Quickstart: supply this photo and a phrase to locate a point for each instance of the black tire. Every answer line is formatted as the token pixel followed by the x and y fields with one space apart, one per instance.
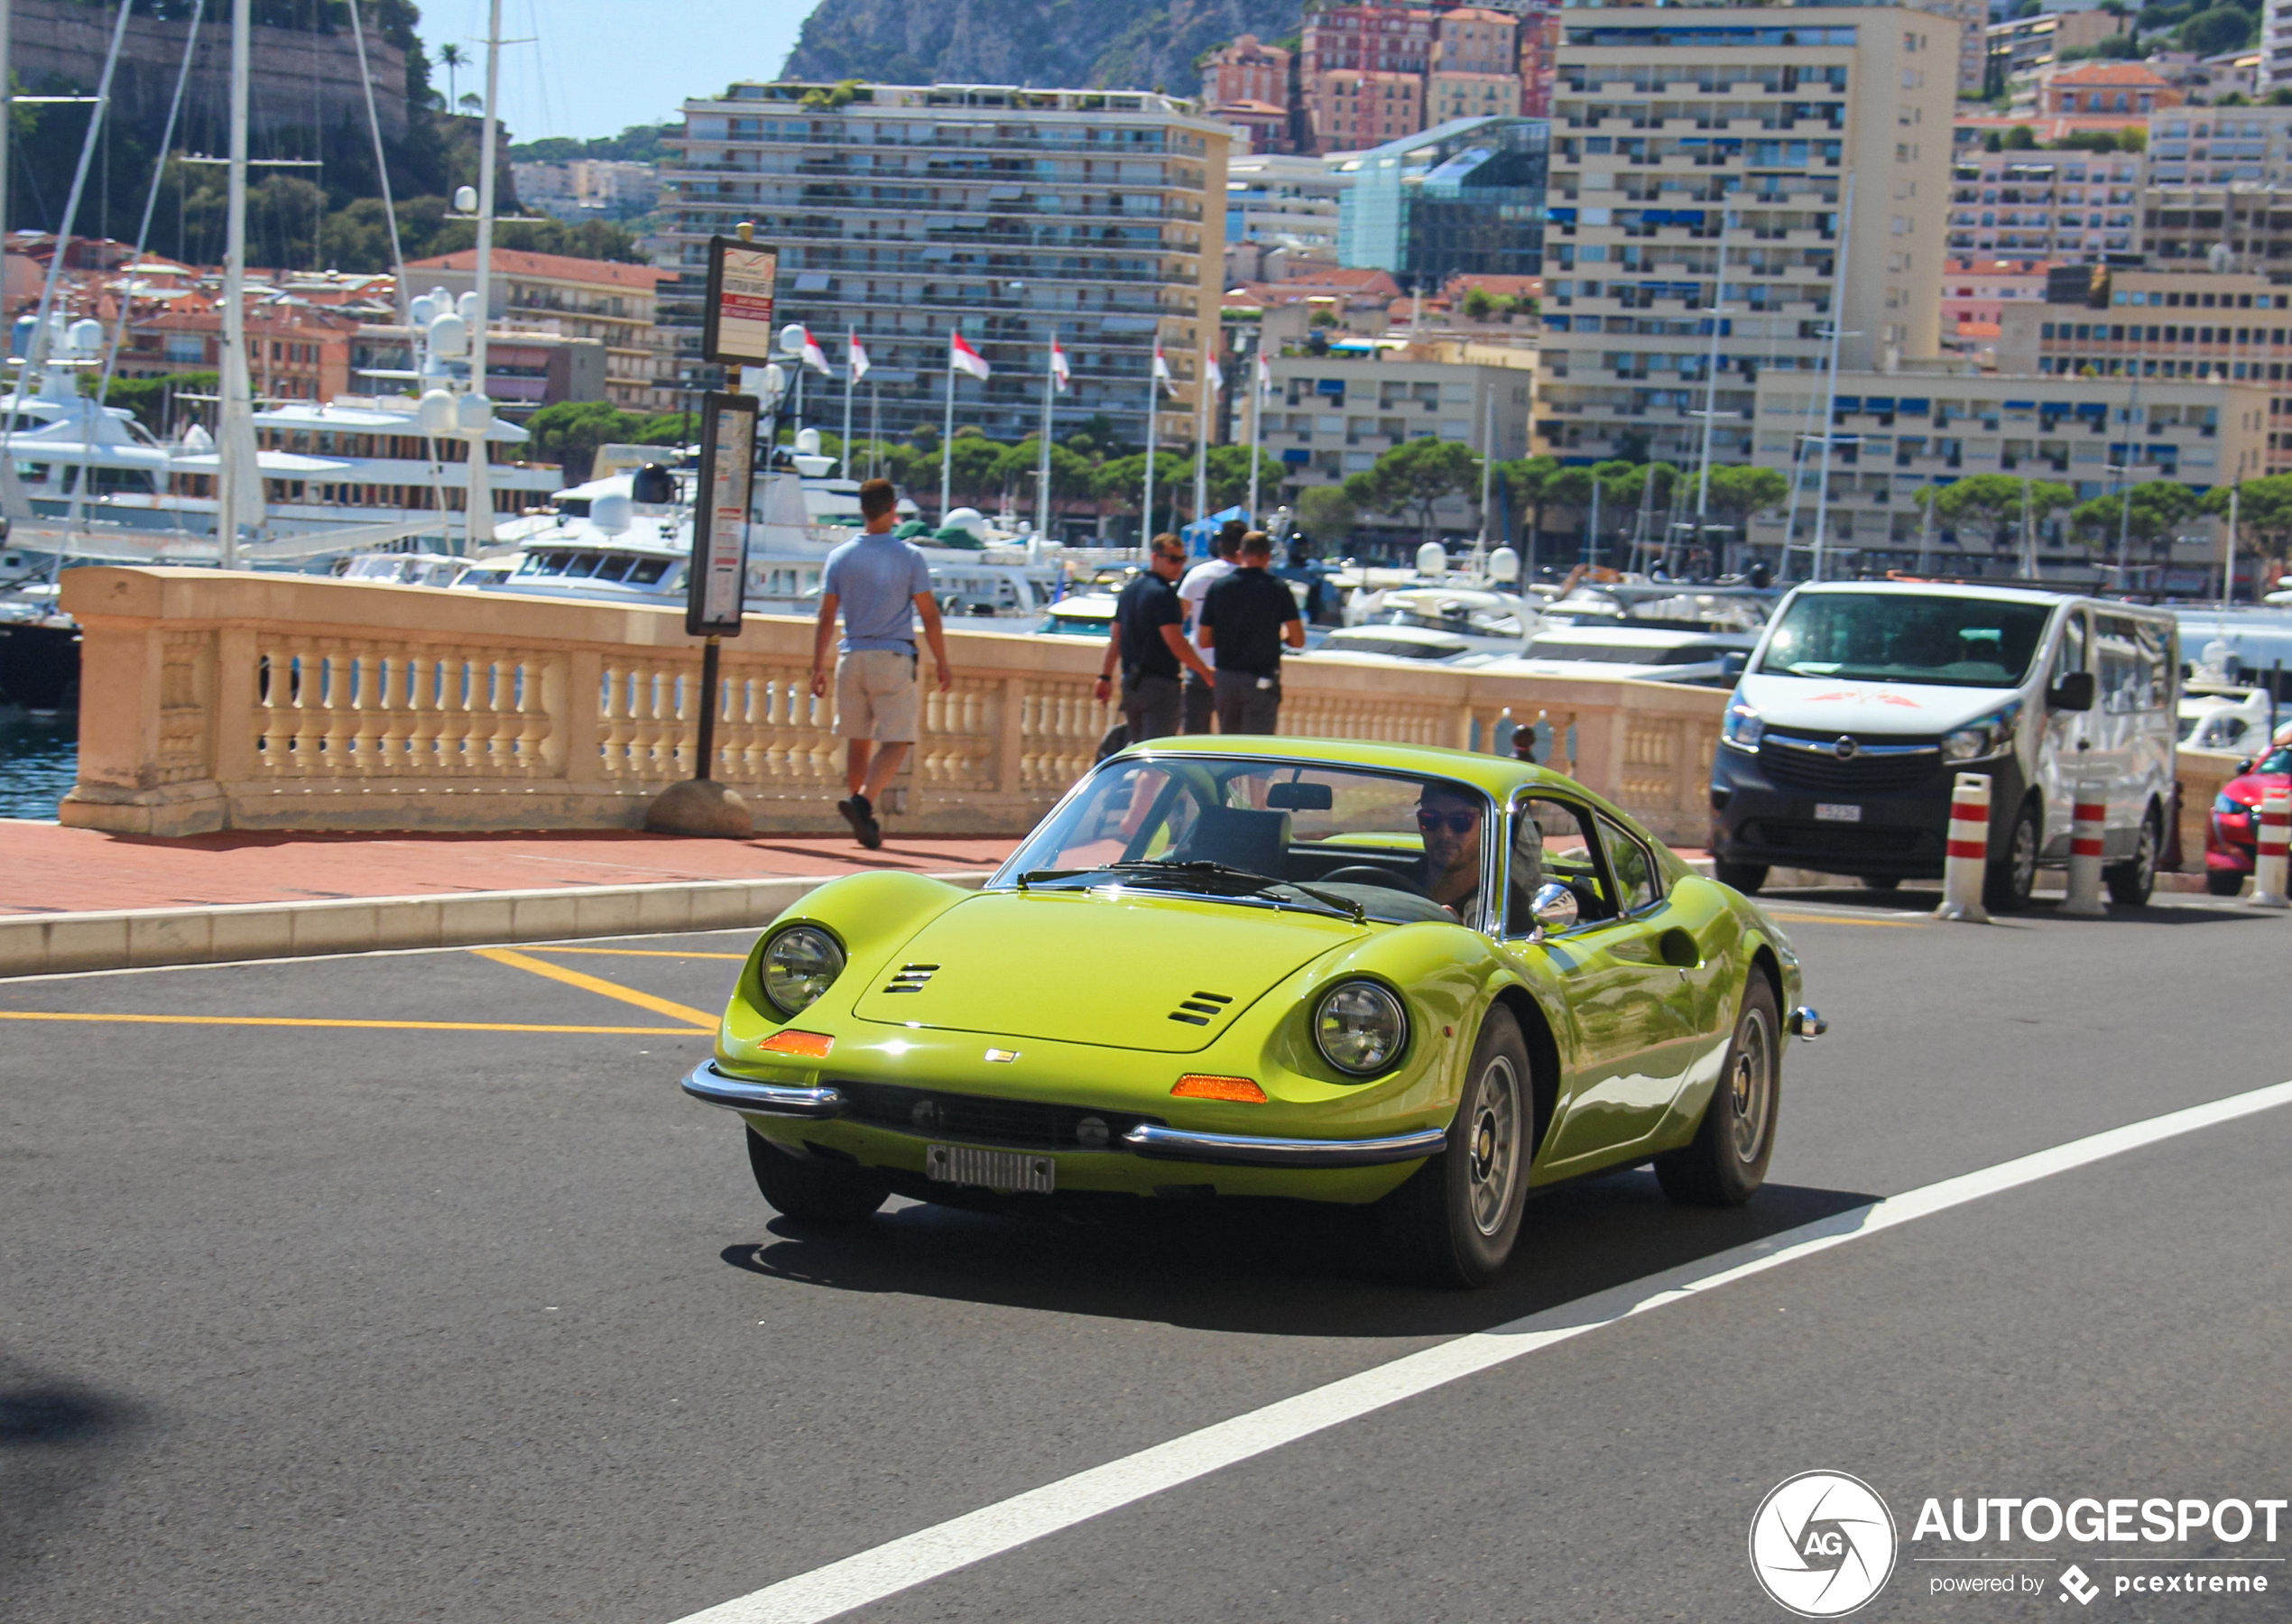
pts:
pixel 1745 877
pixel 2224 882
pixel 818 1192
pixel 2012 874
pixel 2132 881
pixel 1727 1161
pixel 1456 1221
pixel 1882 881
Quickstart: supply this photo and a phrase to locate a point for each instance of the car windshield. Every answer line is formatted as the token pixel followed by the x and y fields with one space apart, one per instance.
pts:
pixel 1397 846
pixel 2275 760
pixel 1907 637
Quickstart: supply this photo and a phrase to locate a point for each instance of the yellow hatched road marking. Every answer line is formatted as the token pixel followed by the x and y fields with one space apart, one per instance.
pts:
pixel 301 1021
pixel 590 983
pixel 1812 918
pixel 640 953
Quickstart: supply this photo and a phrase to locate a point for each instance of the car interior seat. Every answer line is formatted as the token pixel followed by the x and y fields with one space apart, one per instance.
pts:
pixel 1240 837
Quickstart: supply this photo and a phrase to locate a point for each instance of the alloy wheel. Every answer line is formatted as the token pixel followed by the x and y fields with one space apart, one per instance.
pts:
pixel 1492 1152
pixel 1751 1087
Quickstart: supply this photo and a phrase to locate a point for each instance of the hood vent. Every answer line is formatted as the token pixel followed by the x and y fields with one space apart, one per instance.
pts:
pixel 1201 1009
pixel 911 978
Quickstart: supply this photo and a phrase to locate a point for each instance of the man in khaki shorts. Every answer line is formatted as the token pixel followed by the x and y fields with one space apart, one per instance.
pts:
pixel 879 584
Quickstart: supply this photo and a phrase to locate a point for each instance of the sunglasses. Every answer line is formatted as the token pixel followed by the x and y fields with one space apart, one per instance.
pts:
pixel 1457 822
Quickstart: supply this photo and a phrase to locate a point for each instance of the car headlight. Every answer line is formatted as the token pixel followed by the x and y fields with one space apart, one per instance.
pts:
pixel 1742 728
pixel 1992 735
pixel 802 963
pixel 1360 1027
pixel 2224 806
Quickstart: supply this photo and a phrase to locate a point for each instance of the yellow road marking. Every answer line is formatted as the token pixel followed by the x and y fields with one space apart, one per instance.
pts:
pixel 298 1020
pixel 590 983
pixel 642 953
pixel 1807 918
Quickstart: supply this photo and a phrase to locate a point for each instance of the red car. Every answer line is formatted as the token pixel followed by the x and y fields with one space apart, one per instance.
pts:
pixel 2229 833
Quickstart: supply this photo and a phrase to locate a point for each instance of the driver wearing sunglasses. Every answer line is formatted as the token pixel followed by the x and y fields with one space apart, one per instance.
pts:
pixel 1450 823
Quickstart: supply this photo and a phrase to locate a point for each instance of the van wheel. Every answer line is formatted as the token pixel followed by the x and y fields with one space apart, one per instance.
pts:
pixel 1745 877
pixel 2009 879
pixel 1882 881
pixel 2130 883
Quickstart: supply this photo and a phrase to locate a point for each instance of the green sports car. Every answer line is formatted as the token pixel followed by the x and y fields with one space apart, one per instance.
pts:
pixel 1321 969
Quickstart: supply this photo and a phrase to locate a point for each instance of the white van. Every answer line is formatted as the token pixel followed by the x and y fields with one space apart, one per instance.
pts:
pixel 1864 700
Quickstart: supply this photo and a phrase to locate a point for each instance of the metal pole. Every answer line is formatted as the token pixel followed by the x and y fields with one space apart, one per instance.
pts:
pixel 2028 535
pixel 235 388
pixel 711 683
pixel 382 161
pixel 1711 378
pixel 1202 438
pixel 1257 417
pixel 946 439
pixel 2124 490
pixel 36 353
pixel 1153 413
pixel 875 429
pixel 2228 544
pixel 1925 532
pixel 851 336
pixel 1043 461
pixel 1830 397
pixel 1487 461
pixel 478 521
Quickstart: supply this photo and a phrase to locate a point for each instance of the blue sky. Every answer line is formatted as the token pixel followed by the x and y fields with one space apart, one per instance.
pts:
pixel 598 66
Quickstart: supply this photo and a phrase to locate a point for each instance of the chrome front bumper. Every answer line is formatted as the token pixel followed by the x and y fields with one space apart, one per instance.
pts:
pixel 706 1083
pixel 711 1086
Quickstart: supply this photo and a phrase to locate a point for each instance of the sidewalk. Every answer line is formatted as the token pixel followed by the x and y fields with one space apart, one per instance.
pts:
pixel 45 869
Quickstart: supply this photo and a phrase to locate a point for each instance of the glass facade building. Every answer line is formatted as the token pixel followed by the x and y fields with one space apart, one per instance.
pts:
pixel 1463 198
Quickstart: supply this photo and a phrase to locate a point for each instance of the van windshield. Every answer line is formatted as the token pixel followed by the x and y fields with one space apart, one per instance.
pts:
pixel 1907 637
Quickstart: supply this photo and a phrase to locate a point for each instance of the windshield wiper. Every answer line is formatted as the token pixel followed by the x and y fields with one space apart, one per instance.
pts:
pixel 1258 883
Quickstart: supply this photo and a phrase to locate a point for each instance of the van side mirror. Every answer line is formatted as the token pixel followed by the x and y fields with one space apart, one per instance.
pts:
pixel 2073 692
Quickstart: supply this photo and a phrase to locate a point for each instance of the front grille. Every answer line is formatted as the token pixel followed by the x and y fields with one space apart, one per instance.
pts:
pixel 1865 773
pixel 1843 840
pixel 1020 1124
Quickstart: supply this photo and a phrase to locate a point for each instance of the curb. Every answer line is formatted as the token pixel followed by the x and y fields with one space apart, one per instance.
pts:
pixel 145 938
pixel 1790 879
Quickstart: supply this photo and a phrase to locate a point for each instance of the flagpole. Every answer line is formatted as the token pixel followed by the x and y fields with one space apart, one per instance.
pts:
pixel 875 429
pixel 851 342
pixel 1153 410
pixel 1257 418
pixel 1202 439
pixel 947 440
pixel 1042 475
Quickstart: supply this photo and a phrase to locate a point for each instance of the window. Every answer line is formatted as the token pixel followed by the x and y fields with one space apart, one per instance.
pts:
pixel 1630 868
pixel 1552 845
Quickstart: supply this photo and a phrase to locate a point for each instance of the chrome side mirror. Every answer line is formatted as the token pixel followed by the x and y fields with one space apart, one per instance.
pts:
pixel 1554 908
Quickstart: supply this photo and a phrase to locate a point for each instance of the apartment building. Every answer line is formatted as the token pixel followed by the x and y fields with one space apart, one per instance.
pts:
pixel 1978 290
pixel 909 212
pixel 1361 74
pixel 1331 416
pixel 588 188
pixel 2025 44
pixel 2220 147
pixel 1701 157
pixel 2167 324
pixel 1463 197
pixel 1247 70
pixel 1284 200
pixel 1893 433
pixel 2274 72
pixel 2069 205
pixel 2232 227
pixel 294 352
pixel 2127 90
pixel 526 368
pixel 615 304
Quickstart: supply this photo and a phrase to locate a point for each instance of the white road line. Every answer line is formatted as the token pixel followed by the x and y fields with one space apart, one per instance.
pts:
pixel 916 1558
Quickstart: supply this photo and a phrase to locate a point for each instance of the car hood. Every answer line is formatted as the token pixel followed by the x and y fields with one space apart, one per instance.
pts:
pixel 1116 970
pixel 2250 787
pixel 1823 705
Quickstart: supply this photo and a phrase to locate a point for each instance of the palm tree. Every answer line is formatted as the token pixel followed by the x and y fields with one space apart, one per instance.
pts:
pixel 451 57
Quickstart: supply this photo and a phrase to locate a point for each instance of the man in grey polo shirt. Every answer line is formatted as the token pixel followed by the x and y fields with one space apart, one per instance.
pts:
pixel 879 584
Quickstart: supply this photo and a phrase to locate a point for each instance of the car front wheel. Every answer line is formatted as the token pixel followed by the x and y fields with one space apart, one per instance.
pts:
pixel 1455 1221
pixel 819 1191
pixel 1727 1161
pixel 1745 877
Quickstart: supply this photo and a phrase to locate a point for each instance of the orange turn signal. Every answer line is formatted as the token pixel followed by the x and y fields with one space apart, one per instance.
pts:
pixel 811 1045
pixel 1195 1085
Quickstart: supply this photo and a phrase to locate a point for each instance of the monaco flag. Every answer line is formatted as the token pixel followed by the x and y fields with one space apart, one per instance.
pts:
pixel 1059 368
pixel 1161 369
pixel 816 357
pixel 1215 374
pixel 1264 374
pixel 962 357
pixel 858 357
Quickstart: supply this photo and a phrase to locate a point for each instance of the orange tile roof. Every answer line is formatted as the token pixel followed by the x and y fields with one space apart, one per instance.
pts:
pixel 2131 75
pixel 563 267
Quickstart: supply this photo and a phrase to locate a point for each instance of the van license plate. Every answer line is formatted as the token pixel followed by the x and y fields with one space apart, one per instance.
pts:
pixel 1836 812
pixel 992 1170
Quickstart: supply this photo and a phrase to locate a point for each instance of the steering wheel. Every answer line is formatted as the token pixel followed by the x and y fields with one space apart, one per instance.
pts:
pixel 1369 873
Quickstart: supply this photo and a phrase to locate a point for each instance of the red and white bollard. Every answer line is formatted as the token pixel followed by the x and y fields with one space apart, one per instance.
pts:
pixel 2085 853
pixel 2273 834
pixel 1967 863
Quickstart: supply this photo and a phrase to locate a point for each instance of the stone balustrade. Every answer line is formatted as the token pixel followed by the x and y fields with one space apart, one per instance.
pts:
pixel 227 701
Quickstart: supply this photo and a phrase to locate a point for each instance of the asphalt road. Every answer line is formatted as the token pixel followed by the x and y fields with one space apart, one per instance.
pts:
pixel 431 1321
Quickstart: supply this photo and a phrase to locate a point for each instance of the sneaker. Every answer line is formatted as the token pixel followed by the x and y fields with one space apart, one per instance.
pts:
pixel 861 817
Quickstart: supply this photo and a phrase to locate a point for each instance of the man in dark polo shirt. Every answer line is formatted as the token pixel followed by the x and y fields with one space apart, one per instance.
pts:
pixel 1246 620
pixel 1150 641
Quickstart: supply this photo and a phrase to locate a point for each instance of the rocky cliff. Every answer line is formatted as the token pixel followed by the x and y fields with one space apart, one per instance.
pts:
pixel 1116 44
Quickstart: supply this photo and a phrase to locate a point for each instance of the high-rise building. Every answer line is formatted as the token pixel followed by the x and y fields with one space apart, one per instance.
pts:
pixel 1354 109
pixel 1362 72
pixel 1284 200
pixel 2044 204
pixel 1247 70
pixel 1463 197
pixel 911 212
pixel 2276 47
pixel 1702 157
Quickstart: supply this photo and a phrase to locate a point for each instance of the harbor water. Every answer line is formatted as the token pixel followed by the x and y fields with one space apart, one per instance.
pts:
pixel 38 762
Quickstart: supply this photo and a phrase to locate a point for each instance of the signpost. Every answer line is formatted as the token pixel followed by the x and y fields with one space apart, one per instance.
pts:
pixel 736 330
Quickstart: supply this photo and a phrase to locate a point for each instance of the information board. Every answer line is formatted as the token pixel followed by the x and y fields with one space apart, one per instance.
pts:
pixel 718 577
pixel 736 327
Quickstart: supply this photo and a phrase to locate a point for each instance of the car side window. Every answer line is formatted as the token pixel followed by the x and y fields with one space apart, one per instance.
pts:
pixel 1638 883
pixel 1552 843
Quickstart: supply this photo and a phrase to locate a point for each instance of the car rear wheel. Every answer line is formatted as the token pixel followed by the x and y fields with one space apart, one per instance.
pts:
pixel 819 1191
pixel 2224 882
pixel 1745 877
pixel 1882 881
pixel 1727 1161
pixel 1455 1221
pixel 2012 876
pixel 2131 883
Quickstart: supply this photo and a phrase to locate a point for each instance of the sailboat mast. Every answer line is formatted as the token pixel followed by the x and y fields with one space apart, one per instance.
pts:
pixel 479 520
pixel 238 402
